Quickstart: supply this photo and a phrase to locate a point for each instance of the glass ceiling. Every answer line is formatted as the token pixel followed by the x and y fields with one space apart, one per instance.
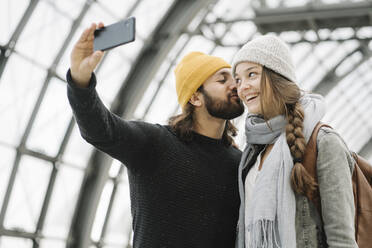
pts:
pixel 45 165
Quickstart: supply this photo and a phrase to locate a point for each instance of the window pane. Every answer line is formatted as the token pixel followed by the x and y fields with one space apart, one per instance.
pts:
pixel 115 168
pixel 111 76
pixel 19 90
pixel 95 14
pixel 28 194
pixel 166 97
pixel 44 34
pixel 63 202
pixel 70 8
pixel 120 223
pixel 6 164
pixel 50 243
pixel 10 242
pixel 52 120
pixel 77 150
pixel 10 14
pixel 102 211
pixel 146 100
pixel 147 20
pixel 117 8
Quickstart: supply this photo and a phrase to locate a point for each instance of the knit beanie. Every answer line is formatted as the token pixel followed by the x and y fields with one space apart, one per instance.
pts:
pixel 268 51
pixel 192 71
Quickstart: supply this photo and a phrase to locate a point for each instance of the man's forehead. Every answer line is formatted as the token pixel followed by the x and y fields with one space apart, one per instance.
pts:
pixel 223 71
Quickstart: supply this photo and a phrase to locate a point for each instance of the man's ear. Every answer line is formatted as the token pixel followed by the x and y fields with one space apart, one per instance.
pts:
pixel 196 99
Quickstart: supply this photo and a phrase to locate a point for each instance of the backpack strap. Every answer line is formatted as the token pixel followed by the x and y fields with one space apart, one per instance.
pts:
pixel 364 166
pixel 309 162
pixel 362 189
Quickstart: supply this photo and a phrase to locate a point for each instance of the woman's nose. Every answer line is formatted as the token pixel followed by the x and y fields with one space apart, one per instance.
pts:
pixel 243 85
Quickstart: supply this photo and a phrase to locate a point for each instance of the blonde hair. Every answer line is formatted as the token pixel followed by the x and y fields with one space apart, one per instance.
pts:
pixel 281 96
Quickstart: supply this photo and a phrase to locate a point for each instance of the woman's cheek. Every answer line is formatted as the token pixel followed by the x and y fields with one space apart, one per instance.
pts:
pixel 240 95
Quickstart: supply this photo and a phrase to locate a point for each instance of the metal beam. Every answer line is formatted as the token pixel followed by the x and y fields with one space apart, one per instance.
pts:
pixel 116 182
pixel 366 150
pixel 330 80
pixel 7 50
pixel 95 178
pixel 330 16
pixel 173 62
pixel 18 233
pixel 162 39
pixel 52 68
pixel 154 52
pixel 51 183
pixel 22 147
pixel 217 41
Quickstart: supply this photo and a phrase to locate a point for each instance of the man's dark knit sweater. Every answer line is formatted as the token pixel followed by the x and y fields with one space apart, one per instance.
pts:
pixel 183 195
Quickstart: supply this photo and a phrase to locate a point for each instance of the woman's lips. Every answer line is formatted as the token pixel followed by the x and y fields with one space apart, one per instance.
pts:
pixel 250 98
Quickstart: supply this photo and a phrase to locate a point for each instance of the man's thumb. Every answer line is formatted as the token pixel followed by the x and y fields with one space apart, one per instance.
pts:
pixel 97 55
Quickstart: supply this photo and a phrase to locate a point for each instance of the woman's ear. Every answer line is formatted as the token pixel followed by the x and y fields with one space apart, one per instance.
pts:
pixel 196 99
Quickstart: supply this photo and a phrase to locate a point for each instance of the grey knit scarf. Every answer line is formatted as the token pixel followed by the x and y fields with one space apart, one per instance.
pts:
pixel 271 212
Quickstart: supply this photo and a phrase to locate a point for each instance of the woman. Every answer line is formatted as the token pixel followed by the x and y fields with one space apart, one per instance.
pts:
pixel 273 182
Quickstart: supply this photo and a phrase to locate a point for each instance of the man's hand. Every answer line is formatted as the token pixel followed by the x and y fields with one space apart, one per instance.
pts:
pixel 83 59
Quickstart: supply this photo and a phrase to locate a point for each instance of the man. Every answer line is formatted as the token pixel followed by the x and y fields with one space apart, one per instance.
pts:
pixel 182 177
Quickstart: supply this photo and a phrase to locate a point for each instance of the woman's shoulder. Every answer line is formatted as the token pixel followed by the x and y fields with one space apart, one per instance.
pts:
pixel 332 147
pixel 329 136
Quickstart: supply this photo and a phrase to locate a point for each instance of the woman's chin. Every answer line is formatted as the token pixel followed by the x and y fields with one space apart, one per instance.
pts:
pixel 253 109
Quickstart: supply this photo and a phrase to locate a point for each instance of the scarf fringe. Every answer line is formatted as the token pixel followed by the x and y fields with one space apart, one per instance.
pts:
pixel 262 234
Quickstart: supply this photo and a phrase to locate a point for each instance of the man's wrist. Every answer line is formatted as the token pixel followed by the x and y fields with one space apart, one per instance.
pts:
pixel 91 83
pixel 80 81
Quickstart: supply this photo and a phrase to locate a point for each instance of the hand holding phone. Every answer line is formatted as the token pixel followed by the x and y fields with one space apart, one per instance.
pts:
pixel 114 35
pixel 88 50
pixel 83 59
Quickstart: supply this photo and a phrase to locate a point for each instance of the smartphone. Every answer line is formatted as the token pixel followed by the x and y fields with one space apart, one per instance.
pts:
pixel 114 35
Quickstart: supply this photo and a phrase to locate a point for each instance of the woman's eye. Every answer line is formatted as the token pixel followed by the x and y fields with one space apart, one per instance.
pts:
pixel 238 81
pixel 251 74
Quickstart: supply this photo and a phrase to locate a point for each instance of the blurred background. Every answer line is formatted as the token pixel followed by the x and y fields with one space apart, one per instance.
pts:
pixel 55 189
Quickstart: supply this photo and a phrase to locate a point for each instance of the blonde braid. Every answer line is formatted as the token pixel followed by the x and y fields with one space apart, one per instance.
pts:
pixel 301 180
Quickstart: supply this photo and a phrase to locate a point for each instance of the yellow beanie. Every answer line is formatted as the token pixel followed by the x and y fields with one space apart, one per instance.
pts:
pixel 192 71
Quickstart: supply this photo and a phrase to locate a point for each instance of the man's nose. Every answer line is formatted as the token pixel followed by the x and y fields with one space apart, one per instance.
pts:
pixel 232 84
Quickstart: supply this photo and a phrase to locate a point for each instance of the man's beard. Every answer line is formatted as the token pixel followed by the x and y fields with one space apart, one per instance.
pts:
pixel 223 109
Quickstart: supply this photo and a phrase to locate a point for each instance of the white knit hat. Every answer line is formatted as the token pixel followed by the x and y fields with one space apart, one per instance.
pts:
pixel 269 51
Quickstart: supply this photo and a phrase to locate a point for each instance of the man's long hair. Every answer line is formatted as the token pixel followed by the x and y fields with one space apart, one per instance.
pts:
pixel 183 124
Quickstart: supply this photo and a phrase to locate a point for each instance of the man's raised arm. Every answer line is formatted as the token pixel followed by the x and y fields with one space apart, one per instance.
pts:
pixel 123 140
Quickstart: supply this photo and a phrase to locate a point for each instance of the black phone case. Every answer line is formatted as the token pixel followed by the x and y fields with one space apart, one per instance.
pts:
pixel 115 34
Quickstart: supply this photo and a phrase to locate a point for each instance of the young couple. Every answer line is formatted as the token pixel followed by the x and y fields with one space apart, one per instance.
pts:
pixel 190 187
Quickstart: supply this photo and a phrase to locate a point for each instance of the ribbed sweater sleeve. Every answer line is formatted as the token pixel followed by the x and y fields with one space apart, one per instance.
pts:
pixel 123 140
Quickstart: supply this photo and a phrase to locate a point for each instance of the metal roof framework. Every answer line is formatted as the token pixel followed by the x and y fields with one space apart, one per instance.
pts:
pixel 146 77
